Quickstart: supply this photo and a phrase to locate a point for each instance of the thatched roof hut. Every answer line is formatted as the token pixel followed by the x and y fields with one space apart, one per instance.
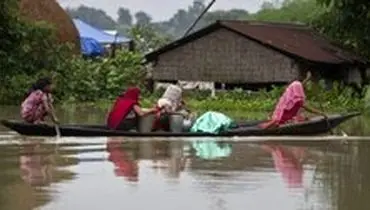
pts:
pixel 251 52
pixel 51 12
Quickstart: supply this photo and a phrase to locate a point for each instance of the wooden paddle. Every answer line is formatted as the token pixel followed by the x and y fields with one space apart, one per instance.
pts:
pixel 56 126
pixel 57 130
pixel 327 121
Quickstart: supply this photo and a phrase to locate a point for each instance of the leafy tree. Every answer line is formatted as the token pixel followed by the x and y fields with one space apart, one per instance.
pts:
pixel 303 11
pixel 95 17
pixel 27 49
pixel 184 18
pixel 124 17
pixel 147 38
pixel 347 22
pixel 234 14
pixel 267 5
pixel 142 18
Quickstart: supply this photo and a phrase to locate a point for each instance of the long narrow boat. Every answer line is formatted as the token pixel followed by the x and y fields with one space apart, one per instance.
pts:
pixel 314 126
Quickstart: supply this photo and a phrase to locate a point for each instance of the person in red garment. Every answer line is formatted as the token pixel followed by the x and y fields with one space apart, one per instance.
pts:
pixel 290 104
pixel 126 111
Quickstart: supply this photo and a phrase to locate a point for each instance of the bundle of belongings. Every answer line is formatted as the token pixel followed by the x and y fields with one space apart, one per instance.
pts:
pixel 212 122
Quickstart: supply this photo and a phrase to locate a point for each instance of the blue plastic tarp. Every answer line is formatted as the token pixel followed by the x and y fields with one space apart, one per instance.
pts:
pixel 88 31
pixel 90 47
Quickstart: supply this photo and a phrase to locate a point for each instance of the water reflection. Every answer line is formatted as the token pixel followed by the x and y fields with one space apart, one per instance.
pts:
pixel 209 174
pixel 211 149
pixel 124 165
pixel 36 168
pixel 28 170
pixel 288 162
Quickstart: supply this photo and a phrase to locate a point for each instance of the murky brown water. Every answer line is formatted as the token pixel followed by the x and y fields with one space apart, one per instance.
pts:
pixel 123 173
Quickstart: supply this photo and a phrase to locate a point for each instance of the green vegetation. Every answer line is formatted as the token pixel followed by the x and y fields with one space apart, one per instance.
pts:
pixel 255 105
pixel 28 51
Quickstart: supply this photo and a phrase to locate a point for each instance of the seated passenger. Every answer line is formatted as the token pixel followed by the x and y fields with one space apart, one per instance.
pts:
pixel 170 103
pixel 290 104
pixel 126 111
pixel 38 103
pixel 171 99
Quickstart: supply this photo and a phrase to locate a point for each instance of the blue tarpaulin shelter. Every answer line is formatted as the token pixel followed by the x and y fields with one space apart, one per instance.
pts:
pixel 90 47
pixel 86 30
pixel 92 38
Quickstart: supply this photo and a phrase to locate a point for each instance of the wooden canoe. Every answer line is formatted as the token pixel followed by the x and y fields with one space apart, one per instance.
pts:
pixel 314 126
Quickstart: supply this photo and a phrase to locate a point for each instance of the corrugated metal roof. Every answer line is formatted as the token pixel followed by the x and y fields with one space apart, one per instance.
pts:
pixel 295 40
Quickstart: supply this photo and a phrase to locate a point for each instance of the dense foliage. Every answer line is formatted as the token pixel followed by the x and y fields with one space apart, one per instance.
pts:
pixel 90 80
pixel 28 52
pixel 348 22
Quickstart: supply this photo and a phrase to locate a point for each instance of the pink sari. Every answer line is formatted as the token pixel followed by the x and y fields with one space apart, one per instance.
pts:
pixel 290 103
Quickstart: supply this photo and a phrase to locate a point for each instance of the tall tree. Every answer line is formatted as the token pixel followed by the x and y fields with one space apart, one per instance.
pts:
pixel 124 16
pixel 142 18
pixel 348 22
pixel 184 18
pixel 304 11
pixel 234 14
pixel 267 5
pixel 95 17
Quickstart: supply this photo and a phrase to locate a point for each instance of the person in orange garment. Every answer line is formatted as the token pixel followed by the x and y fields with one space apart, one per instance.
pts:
pixel 290 104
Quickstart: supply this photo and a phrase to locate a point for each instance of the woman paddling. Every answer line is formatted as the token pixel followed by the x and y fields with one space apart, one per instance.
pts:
pixel 126 111
pixel 290 104
pixel 38 103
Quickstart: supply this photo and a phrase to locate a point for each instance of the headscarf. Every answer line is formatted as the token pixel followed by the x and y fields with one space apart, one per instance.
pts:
pixel 123 106
pixel 39 85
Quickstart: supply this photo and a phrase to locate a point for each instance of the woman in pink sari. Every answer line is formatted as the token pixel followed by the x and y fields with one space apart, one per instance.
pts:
pixel 290 104
pixel 38 103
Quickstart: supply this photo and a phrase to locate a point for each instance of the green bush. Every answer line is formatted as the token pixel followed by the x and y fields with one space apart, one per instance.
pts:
pixel 90 80
pixel 28 50
pixel 238 103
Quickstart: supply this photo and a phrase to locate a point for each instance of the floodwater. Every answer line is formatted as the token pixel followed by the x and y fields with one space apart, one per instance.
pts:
pixel 205 174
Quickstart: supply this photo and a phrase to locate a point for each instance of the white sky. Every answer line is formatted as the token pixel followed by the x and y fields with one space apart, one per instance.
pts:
pixel 160 9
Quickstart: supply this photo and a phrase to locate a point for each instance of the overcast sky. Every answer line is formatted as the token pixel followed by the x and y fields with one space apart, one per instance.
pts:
pixel 159 9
